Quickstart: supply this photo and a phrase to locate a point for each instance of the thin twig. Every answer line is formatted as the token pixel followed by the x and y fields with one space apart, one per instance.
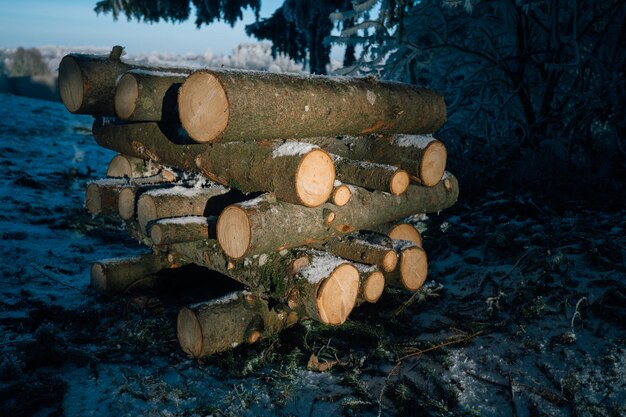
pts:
pixel 418 353
pixel 52 278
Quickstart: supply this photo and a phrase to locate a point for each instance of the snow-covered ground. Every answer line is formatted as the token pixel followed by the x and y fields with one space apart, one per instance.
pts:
pixel 525 314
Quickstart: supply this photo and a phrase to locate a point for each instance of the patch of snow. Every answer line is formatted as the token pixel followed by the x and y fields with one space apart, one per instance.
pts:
pixel 413 141
pixel 321 266
pixel 228 298
pixel 184 220
pixel 154 73
pixel 293 149
pixel 371 97
pixel 190 192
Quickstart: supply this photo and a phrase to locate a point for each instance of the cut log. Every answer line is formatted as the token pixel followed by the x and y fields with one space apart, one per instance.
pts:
pixel 101 195
pixel 422 156
pixel 183 229
pixel 341 194
pixel 312 283
pixel 119 274
pixel 372 284
pixel 157 142
pixel 400 231
pixel 87 82
pixel 363 248
pixel 250 106
pixel 176 201
pixel 372 176
pixel 127 199
pixel 222 324
pixel 413 268
pixel 296 173
pixel 265 225
pixel 130 167
pixel 143 95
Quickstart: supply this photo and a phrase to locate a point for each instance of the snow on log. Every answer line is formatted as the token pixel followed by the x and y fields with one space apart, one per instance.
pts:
pixel 227 322
pixel 267 225
pixel 87 82
pixel 422 156
pixel 128 166
pixel 175 202
pixel 237 106
pixel 147 95
pixel 298 173
pixel 119 274
pixel 371 175
pixel 183 229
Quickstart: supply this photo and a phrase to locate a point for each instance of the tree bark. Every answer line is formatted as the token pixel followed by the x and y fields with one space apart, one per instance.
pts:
pixel 222 324
pixel 372 176
pixel 130 167
pixel 265 225
pixel 119 274
pixel 143 95
pixel 422 156
pixel 87 82
pixel 250 106
pixel 363 248
pixel 175 202
pixel 296 173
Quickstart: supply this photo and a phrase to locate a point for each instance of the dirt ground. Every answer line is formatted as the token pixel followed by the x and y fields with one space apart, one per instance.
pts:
pixel 524 313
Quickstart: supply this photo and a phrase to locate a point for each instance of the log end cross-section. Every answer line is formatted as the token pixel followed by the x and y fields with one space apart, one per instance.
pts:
pixel 314 178
pixel 336 296
pixel 433 163
pixel 71 84
pixel 234 233
pixel 204 107
pixel 126 96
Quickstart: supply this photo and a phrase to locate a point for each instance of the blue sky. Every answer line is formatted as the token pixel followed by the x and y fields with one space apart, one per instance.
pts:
pixel 32 23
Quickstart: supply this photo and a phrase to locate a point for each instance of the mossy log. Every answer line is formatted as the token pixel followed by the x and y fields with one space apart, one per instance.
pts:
pixel 120 274
pixel 372 176
pixel 296 173
pixel 145 95
pixel 422 156
pixel 238 106
pixel 175 202
pixel 87 82
pixel 312 283
pixel 130 167
pixel 266 225
pixel 224 323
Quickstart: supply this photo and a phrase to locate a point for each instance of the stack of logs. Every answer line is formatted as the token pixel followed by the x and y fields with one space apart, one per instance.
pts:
pixel 245 173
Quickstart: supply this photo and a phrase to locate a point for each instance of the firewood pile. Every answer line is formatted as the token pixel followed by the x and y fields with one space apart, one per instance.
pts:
pixel 295 186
